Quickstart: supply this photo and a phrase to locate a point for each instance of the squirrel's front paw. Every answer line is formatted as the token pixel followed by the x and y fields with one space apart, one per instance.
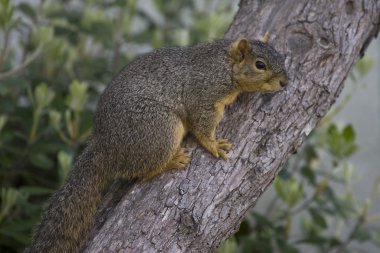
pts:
pixel 219 147
pixel 223 145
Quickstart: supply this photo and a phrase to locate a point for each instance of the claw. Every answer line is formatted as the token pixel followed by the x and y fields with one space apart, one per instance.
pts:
pixel 223 145
pixel 180 160
pixel 223 154
pixel 216 153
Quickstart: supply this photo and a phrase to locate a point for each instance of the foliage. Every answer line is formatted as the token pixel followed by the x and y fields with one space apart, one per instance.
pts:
pixel 55 59
pixel 314 208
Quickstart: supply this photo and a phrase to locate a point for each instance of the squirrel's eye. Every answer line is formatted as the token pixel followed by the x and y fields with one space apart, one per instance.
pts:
pixel 260 65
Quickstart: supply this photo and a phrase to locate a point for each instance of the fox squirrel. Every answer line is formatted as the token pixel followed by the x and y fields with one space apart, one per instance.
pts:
pixel 142 117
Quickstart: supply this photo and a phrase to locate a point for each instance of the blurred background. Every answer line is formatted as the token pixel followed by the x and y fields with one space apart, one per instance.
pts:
pixel 56 57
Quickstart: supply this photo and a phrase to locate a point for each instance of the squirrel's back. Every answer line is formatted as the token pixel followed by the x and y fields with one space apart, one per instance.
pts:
pixel 163 74
pixel 171 77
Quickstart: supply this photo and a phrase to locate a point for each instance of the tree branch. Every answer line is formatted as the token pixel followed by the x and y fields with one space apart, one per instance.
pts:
pixel 22 65
pixel 194 210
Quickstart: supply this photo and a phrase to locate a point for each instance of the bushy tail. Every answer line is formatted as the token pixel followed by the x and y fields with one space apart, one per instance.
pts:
pixel 72 208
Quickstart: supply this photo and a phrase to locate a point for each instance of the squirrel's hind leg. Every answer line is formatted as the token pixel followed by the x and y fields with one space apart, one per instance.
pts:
pixel 179 161
pixel 155 143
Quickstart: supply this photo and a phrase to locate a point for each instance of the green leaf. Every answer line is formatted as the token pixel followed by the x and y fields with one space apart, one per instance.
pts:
pixel 340 207
pixel 244 229
pixel 285 174
pixel 333 138
pixel 284 245
pixel 348 172
pixel 309 174
pixel 320 241
pixel 42 35
pixel 69 123
pixel 229 246
pixel 43 96
pixel 92 16
pixel 349 133
pixel 295 192
pixel 101 30
pixel 364 65
pixel 317 217
pixel 362 234
pixel 341 142
pixel 36 190
pixel 280 188
pixel 3 121
pixel 65 161
pixel 55 119
pixel 77 98
pixel 9 198
pixel 6 14
pixel 290 191
pixel 262 244
pixel 27 9
pixel 41 160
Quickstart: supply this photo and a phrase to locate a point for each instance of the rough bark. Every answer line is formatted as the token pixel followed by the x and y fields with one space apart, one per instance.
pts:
pixel 194 210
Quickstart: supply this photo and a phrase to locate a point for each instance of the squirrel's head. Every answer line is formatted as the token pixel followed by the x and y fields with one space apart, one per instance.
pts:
pixel 257 66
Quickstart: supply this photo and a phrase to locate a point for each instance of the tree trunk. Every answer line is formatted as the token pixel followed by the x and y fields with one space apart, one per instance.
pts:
pixel 194 210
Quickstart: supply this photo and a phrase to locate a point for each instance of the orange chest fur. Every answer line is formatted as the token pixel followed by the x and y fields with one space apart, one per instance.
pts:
pixel 220 104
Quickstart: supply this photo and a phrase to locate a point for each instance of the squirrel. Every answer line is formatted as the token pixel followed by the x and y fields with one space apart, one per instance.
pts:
pixel 142 117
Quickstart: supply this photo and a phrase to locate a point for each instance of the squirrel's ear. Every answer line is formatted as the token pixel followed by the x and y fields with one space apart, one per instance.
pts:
pixel 240 49
pixel 266 38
